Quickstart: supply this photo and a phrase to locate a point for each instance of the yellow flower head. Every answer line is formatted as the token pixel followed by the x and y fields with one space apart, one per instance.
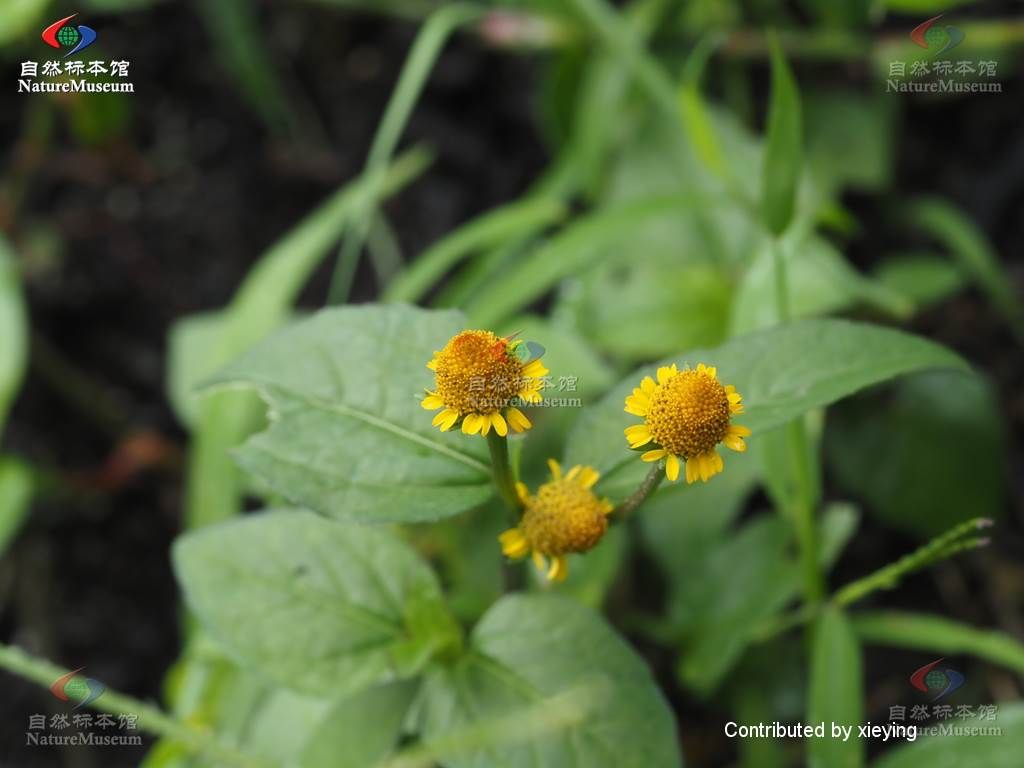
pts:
pixel 565 516
pixel 479 377
pixel 686 415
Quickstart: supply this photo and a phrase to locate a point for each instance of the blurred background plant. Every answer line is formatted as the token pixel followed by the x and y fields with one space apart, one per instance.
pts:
pixel 589 174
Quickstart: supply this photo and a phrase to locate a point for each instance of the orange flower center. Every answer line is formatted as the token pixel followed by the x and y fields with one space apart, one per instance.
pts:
pixel 476 373
pixel 564 517
pixel 689 414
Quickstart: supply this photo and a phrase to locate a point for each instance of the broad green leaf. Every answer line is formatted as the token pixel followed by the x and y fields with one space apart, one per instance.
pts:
pixel 592 574
pixel 995 749
pixel 16 487
pixel 783 146
pixel 318 607
pixel 924 456
pixel 748 578
pixel 649 309
pixel 13 330
pixel 921 631
pixel 529 649
pixel 261 303
pixel 819 281
pixel 348 437
pixel 969 247
pixel 923 278
pixel 360 730
pixel 782 373
pixel 836 693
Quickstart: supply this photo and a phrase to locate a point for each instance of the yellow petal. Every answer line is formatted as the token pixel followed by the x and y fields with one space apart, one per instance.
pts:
pixel 523 493
pixel 647 386
pixel 471 424
pixel 638 435
pixel 556 469
pixel 589 477
pixel 739 430
pixel 559 569
pixel 529 396
pixel 517 420
pixel 432 365
pixel 571 474
pixel 446 419
pixel 655 455
pixel 431 402
pixel 672 467
pixel 500 425
pixel 692 469
pixel 539 562
pixel 665 373
pixel 638 406
pixel 485 424
pixel 607 507
pixel 735 442
pixel 513 543
pixel 535 370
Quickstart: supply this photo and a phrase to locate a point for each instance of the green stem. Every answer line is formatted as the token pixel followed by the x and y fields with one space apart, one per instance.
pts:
pixel 150 719
pixel 503 479
pixel 804 522
pixel 649 484
pixel 425 50
pixel 949 544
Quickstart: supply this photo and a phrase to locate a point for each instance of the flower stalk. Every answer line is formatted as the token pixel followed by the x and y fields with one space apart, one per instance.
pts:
pixel 502 469
pixel 648 486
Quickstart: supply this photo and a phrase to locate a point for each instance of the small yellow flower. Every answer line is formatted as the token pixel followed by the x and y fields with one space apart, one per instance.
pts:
pixel 686 415
pixel 478 378
pixel 565 516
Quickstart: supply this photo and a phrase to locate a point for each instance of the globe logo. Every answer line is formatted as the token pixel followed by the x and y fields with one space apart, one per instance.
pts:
pixel 61 35
pixel 936 38
pixel 939 681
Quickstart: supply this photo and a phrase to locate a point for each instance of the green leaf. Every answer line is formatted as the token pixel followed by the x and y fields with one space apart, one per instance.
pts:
pixel 319 607
pixel 748 578
pixel 917 7
pixel 923 278
pixel 261 303
pixel 361 730
pixel 836 693
pixel 648 309
pixel 819 281
pixel 523 218
pixel 839 521
pixel 16 486
pixel 782 373
pixel 969 247
pixel 348 437
pixel 994 750
pixel 13 330
pixel 920 631
pixel 925 455
pixel 783 147
pixel 582 245
pixel 529 649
